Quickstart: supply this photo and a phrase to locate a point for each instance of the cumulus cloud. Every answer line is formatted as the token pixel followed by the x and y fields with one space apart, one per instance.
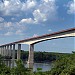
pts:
pixel 12 28
pixel 28 5
pixel 47 10
pixel 9 7
pixel 27 20
pixel 35 35
pixel 1 19
pixel 48 0
pixel 71 6
pixel 42 12
pixel 8 33
pixel 49 30
pixel 12 7
pixel 19 32
pixel 8 24
pixel 12 19
pixel 38 16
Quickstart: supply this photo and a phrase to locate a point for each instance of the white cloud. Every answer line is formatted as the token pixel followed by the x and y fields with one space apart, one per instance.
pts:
pixel 1 19
pixel 12 19
pixel 12 7
pixel 6 2
pixel 49 0
pixel 35 35
pixel 38 16
pixel 27 20
pixel 8 33
pixel 30 3
pixel 8 24
pixel 46 0
pixel 47 10
pixel 12 28
pixel 19 32
pixel 71 6
pixel 49 30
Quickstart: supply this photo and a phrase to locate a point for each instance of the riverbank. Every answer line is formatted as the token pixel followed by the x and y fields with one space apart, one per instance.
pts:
pixel 62 66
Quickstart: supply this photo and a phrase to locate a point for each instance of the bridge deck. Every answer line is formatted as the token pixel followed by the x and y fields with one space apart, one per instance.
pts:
pixel 46 35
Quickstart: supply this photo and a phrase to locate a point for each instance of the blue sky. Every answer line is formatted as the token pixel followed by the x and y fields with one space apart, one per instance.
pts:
pixel 20 19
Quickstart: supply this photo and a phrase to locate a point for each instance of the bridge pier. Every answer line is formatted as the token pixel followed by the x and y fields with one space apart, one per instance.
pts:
pixel 13 55
pixel 4 50
pixel 19 51
pixel 10 50
pixel 7 50
pixel 0 50
pixel 31 56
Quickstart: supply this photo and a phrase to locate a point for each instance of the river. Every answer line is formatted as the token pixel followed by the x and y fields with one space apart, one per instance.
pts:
pixel 44 66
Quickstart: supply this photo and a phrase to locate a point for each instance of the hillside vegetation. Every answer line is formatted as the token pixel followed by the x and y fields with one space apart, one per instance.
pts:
pixel 42 56
pixel 65 65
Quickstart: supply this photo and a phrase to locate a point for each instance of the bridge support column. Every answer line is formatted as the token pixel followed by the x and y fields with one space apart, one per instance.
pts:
pixel 31 56
pixel 13 55
pixel 10 50
pixel 3 51
pixel 0 50
pixel 7 50
pixel 19 51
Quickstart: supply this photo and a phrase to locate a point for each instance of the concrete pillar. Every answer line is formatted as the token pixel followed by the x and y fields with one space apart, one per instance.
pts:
pixel 10 50
pixel 4 50
pixel 19 51
pixel 7 50
pixel 31 56
pixel 0 50
pixel 13 55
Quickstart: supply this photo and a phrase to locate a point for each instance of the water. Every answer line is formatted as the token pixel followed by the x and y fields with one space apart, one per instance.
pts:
pixel 44 66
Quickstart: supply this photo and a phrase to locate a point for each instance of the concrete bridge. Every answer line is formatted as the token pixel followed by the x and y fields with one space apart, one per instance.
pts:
pixel 9 49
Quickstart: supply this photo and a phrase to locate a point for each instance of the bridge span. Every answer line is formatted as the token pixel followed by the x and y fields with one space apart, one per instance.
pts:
pixel 9 49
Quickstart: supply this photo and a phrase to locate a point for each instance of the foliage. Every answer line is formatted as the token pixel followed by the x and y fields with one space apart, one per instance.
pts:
pixel 41 56
pixel 65 65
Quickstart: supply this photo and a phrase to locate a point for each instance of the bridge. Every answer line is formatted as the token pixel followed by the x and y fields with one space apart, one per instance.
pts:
pixel 9 49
